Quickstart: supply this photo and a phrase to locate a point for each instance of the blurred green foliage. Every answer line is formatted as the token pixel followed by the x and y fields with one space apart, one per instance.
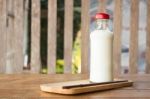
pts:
pixel 76 59
pixel 59 66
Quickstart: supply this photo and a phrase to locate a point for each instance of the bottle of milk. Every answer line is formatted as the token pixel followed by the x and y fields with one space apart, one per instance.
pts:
pixel 101 40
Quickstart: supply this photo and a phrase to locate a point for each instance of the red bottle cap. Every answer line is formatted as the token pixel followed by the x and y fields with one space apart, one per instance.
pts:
pixel 102 16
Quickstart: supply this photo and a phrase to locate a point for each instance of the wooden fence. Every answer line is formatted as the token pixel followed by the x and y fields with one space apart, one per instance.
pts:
pixel 12 13
pixel 134 26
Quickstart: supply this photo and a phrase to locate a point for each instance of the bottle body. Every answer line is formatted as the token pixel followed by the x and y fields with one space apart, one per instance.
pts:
pixel 101 47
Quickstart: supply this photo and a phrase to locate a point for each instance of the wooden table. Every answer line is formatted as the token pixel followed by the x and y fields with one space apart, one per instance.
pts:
pixel 27 86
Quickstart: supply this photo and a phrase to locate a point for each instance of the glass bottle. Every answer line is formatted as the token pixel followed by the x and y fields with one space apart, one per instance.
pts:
pixel 101 46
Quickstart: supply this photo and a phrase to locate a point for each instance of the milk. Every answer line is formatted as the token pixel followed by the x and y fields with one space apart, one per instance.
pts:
pixel 101 47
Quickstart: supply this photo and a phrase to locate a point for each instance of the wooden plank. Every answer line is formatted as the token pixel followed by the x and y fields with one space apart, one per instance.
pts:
pixel 35 36
pixel 148 39
pixel 85 22
pixel 27 85
pixel 2 36
pixel 18 36
pixel 102 6
pixel 10 37
pixel 82 86
pixel 117 37
pixel 135 77
pixel 68 35
pixel 133 50
pixel 52 17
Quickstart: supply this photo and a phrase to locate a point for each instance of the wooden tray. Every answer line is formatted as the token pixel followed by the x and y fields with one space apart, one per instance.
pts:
pixel 82 86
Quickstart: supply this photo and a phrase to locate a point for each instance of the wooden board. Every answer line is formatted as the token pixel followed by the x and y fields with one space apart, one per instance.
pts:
pixel 68 35
pixel 35 37
pixel 85 22
pixel 18 37
pixel 133 49
pixel 62 87
pixel 52 34
pixel 148 38
pixel 117 37
pixel 2 35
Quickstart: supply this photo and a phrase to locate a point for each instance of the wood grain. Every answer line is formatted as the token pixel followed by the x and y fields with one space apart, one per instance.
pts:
pixel 117 37
pixel 2 36
pixel 81 86
pixel 18 36
pixel 148 39
pixel 10 37
pixel 35 36
pixel 135 77
pixel 28 86
pixel 90 84
pixel 85 22
pixel 102 5
pixel 52 21
pixel 133 50
pixel 68 35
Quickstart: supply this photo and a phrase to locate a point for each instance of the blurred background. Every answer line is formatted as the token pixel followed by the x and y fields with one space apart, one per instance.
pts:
pixel 76 52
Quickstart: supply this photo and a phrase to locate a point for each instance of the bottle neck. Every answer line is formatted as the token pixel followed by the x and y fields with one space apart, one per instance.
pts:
pixel 102 24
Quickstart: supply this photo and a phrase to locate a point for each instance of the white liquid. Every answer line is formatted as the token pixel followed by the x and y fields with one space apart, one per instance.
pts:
pixel 101 56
